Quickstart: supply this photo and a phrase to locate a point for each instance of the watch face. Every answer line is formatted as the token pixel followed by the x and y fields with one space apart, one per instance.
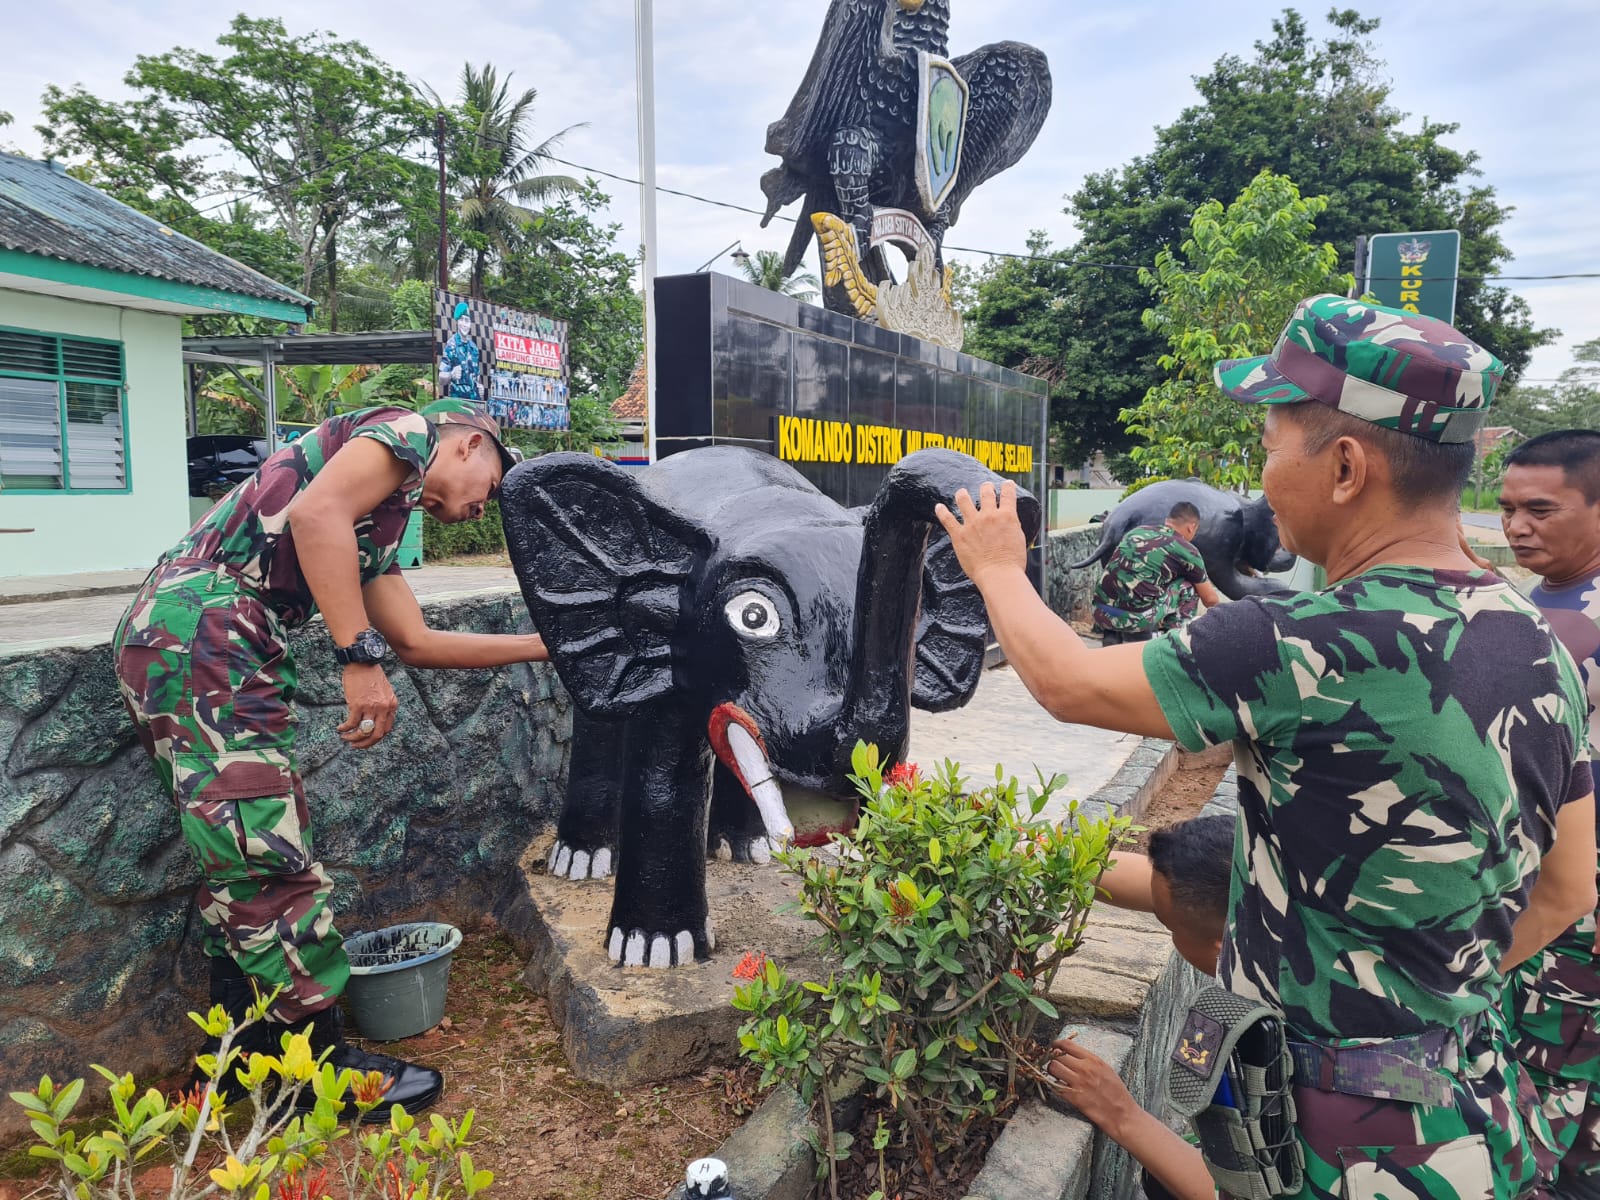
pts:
pixel 370 645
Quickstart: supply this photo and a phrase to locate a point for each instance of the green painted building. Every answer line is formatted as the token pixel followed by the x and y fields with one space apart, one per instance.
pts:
pixel 92 411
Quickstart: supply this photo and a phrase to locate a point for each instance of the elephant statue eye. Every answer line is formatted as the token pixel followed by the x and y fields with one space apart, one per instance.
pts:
pixel 753 615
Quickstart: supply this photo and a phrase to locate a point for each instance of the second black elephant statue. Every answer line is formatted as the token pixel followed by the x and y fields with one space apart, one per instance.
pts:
pixel 1238 538
pixel 723 625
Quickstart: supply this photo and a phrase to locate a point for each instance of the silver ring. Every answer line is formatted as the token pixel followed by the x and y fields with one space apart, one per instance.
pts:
pixel 368 725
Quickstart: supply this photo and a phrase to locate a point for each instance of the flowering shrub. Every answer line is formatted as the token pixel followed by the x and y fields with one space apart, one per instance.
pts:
pixel 266 1149
pixel 948 912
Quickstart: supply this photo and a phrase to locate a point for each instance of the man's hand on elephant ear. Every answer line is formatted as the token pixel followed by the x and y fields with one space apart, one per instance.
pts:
pixel 987 536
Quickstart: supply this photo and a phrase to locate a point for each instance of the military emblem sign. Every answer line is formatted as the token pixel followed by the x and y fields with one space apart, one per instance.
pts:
pixel 1415 271
pixel 942 105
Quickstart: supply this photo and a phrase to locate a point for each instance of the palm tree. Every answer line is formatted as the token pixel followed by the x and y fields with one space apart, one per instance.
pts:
pixel 766 269
pixel 496 172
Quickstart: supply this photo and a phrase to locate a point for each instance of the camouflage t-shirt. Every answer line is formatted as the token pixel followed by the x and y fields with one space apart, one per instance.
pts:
pixel 1403 741
pixel 1148 579
pixel 248 529
pixel 1573 612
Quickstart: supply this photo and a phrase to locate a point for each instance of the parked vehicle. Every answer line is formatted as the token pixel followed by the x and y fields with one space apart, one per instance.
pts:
pixel 220 461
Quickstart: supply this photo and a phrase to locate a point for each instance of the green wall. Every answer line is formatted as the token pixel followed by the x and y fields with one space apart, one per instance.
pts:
pixel 101 533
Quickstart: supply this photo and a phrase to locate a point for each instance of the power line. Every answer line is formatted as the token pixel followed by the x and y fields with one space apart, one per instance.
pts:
pixel 755 212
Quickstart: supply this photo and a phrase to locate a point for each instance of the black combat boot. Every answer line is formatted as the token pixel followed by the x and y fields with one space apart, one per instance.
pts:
pixel 412 1087
pixel 231 988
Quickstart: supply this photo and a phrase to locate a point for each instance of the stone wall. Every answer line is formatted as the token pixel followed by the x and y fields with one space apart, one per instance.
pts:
pixel 1071 593
pixel 98 928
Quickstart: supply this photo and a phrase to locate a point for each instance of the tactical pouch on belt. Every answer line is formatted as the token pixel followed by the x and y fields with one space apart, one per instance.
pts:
pixel 1231 1074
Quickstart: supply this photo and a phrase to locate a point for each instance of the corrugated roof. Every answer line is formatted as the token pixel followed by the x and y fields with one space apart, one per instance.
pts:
pixel 45 211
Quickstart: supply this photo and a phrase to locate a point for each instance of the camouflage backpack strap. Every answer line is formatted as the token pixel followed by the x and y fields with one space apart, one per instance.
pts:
pixel 1231 1074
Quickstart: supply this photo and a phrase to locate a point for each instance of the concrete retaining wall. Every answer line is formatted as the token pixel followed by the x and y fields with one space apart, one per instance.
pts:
pixel 98 945
pixel 1071 593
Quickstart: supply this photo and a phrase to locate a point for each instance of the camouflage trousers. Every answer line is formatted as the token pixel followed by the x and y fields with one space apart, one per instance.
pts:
pixel 1556 1022
pixel 205 671
pixel 1359 1148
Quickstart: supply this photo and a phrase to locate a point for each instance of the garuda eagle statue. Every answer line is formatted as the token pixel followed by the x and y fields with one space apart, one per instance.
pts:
pixel 879 123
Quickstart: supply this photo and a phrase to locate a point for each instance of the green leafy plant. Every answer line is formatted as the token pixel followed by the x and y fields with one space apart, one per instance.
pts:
pixel 948 912
pixel 1227 295
pixel 258 1146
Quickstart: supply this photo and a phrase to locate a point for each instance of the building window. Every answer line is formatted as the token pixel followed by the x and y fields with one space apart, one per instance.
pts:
pixel 63 425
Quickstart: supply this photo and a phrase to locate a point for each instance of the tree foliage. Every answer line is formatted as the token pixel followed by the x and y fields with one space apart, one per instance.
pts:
pixel 1318 110
pixel 765 269
pixel 1573 402
pixel 1226 294
pixel 498 172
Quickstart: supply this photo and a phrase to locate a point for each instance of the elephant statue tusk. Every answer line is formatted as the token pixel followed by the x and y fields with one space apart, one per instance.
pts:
pixel 736 740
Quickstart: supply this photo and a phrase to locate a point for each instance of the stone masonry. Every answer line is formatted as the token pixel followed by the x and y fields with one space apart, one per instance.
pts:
pixel 1071 593
pixel 98 953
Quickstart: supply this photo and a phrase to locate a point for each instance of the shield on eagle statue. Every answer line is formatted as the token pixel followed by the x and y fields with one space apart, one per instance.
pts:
pixel 942 106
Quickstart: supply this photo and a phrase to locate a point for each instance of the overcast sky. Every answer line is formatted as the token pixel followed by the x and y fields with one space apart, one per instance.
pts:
pixel 1518 77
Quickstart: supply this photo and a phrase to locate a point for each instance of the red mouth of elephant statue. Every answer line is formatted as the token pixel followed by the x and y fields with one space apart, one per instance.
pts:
pixel 792 815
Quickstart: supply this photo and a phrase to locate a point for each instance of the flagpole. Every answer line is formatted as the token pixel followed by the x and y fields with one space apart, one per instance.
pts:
pixel 645 65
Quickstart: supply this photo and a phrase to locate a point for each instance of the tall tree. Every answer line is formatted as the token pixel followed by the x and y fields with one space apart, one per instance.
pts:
pixel 1316 110
pixel 1226 294
pixel 316 124
pixel 500 174
pixel 765 269
pixel 571 268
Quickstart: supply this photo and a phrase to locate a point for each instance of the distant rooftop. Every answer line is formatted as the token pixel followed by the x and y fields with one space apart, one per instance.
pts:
pixel 46 213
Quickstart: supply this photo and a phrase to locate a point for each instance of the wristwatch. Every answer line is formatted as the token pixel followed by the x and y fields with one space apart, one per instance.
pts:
pixel 369 647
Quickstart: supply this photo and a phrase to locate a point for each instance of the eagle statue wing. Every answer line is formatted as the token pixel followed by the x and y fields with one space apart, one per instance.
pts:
pixel 829 99
pixel 1010 98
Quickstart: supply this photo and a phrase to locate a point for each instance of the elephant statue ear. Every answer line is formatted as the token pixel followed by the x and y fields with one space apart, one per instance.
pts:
pixel 952 631
pixel 603 569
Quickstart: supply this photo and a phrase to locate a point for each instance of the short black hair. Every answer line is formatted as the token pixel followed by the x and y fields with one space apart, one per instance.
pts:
pixel 1195 857
pixel 1575 451
pixel 1423 472
pixel 1183 511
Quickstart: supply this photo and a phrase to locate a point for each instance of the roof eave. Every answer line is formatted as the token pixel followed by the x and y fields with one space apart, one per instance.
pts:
pixel 149 288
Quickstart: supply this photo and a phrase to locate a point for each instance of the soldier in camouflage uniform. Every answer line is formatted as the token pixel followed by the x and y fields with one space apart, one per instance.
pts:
pixel 1154 580
pixel 1550 507
pixel 1411 756
pixel 204 666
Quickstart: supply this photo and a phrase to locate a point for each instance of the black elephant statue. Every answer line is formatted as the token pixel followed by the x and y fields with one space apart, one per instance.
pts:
pixel 1238 538
pixel 723 626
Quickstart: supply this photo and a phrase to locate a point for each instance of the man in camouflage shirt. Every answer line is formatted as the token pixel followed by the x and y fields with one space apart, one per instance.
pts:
pixel 1153 580
pixel 203 662
pixel 1550 510
pixel 1416 809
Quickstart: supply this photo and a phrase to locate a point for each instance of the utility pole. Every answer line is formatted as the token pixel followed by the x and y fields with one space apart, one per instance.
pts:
pixel 1361 267
pixel 645 67
pixel 444 221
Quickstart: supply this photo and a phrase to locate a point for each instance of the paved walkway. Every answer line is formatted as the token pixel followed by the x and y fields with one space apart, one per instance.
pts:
pixel 94 612
pixel 1005 726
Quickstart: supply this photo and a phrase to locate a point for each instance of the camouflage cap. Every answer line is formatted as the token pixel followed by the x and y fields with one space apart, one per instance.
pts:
pixel 1394 368
pixel 461 412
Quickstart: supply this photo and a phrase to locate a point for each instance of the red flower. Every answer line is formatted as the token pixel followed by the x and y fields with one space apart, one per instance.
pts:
pixel 904 775
pixel 1019 972
pixel 751 966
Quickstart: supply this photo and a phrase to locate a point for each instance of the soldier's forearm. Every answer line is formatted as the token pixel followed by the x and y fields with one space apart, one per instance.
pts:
pixel 435 649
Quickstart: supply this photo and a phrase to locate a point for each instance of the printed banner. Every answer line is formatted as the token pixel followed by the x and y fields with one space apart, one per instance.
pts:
pixel 1415 271
pixel 513 363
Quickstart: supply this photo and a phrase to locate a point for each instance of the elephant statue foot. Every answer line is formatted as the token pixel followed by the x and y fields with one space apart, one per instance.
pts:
pixel 574 862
